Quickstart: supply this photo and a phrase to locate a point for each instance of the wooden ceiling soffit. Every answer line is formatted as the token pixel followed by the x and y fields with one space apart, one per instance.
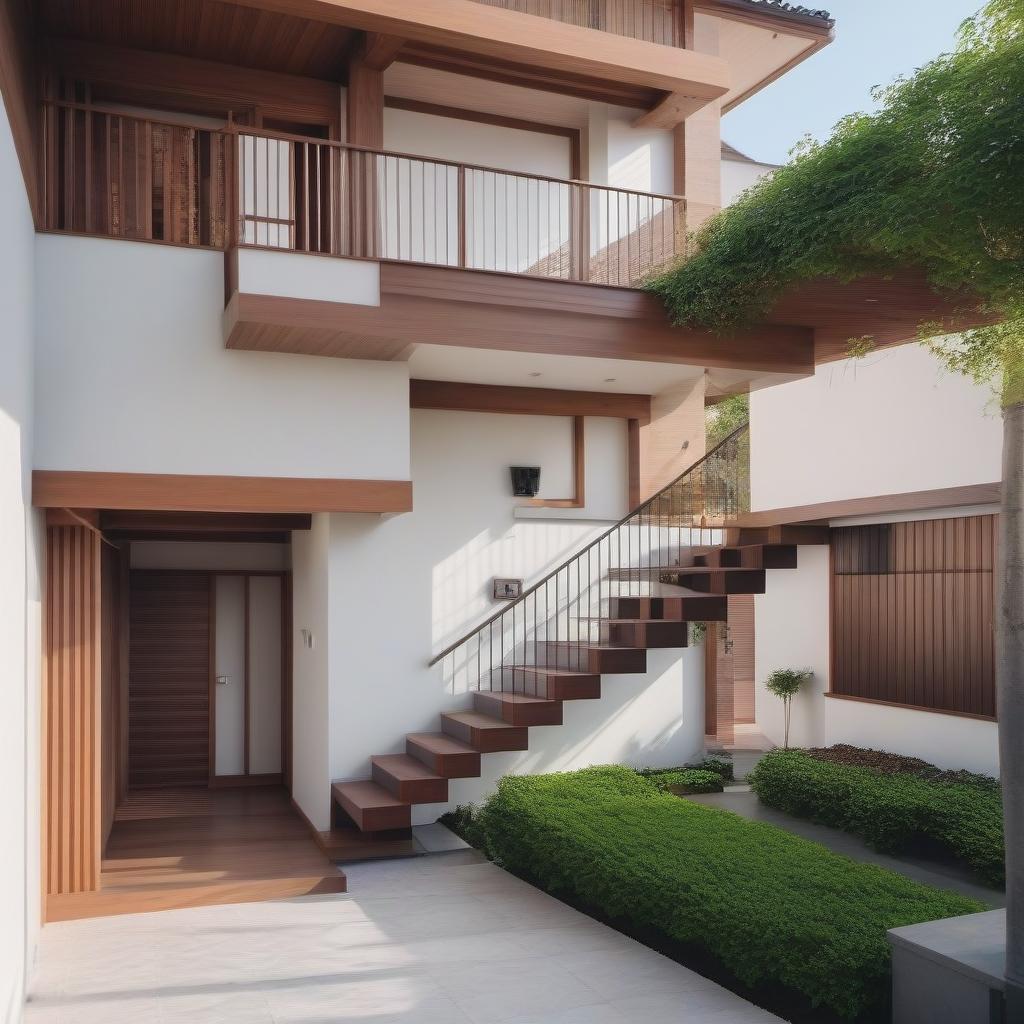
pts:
pixel 496 398
pixel 513 37
pixel 887 310
pixel 473 309
pixel 190 493
pixel 201 84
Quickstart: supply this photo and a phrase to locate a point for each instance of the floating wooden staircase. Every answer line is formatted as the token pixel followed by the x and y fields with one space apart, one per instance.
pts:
pixel 528 688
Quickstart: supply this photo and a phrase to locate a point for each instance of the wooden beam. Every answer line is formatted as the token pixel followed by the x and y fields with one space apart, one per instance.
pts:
pixel 463 25
pixel 380 51
pixel 365 106
pixel 187 493
pixel 18 87
pixel 193 522
pixel 499 398
pixel 882 504
pixel 675 108
pixel 197 83
pixel 476 309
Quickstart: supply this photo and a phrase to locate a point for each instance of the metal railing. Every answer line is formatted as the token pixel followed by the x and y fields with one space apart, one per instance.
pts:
pixel 553 623
pixel 125 177
pixel 655 21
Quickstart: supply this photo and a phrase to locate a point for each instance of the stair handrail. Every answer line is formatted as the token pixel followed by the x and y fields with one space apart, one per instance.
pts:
pixel 730 441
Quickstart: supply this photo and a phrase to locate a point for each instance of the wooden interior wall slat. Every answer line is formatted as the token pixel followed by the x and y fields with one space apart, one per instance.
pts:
pixel 111 598
pixel 72 814
pixel 169 680
pixel 741 634
pixel 912 614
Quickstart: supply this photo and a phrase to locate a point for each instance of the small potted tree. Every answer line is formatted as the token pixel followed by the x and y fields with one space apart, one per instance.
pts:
pixel 785 683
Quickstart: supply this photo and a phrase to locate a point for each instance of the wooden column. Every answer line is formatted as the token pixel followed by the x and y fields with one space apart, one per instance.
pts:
pixel 72 811
pixel 673 438
pixel 697 141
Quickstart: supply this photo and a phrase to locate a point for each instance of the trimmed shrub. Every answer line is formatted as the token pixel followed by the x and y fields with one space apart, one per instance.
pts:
pixel 865 757
pixel 772 907
pixel 890 809
pixel 683 781
pixel 719 765
pixel 463 821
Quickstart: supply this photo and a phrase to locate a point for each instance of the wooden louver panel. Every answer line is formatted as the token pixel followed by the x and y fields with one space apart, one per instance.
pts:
pixel 169 680
pixel 912 614
pixel 71 712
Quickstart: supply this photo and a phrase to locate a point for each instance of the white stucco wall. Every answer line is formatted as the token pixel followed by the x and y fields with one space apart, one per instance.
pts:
pixel 20 558
pixel 400 589
pixel 893 422
pixel 472 142
pixel 133 376
pixel 739 175
pixel 311 726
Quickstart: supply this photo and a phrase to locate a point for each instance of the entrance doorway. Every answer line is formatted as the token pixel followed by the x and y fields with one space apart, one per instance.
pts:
pixel 206 678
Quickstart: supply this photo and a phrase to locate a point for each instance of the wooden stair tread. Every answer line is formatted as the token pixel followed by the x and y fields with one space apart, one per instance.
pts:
pixel 476 720
pixel 365 794
pixel 404 767
pixel 511 697
pixel 440 743
pixel 549 670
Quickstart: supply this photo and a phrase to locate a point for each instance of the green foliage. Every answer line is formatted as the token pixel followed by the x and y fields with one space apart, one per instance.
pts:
pixel 771 906
pixel 785 683
pixel 932 181
pixel 719 765
pixel 463 821
pixel 722 418
pixel 889 809
pixel 683 781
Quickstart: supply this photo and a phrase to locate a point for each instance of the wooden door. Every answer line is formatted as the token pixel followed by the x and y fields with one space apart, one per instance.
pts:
pixel 169 680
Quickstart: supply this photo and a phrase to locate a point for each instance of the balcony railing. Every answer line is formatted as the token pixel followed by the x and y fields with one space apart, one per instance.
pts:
pixel 119 176
pixel 655 21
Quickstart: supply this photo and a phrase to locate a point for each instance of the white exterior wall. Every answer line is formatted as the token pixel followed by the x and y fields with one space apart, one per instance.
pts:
pixel 401 589
pixel 739 175
pixel 133 376
pixel 20 631
pixel 471 142
pixel 891 423
pixel 311 725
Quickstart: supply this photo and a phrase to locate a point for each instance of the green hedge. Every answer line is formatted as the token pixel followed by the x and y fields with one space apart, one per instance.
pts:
pixel 888 809
pixel 683 781
pixel 771 906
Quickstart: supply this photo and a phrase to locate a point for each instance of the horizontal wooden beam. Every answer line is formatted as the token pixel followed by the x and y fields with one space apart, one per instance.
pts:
pixel 462 25
pixel 675 108
pixel 205 84
pixel 476 309
pixel 882 504
pixel 192 522
pixel 380 51
pixel 499 398
pixel 188 493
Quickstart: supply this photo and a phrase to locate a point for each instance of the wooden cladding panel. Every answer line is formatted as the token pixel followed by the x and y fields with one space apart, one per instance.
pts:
pixel 72 813
pixel 741 635
pixel 912 614
pixel 169 680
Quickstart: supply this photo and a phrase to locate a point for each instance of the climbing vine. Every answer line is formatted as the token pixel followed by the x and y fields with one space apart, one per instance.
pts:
pixel 933 180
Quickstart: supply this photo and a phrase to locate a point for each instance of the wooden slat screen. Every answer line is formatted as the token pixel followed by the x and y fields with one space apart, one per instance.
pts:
pixel 72 814
pixel 169 680
pixel 912 614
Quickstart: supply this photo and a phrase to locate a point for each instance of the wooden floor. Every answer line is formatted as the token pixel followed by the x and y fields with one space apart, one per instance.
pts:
pixel 172 848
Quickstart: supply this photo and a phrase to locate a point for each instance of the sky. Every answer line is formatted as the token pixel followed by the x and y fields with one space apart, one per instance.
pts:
pixel 875 42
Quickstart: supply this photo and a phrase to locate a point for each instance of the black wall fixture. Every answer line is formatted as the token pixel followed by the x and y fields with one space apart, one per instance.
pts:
pixel 525 481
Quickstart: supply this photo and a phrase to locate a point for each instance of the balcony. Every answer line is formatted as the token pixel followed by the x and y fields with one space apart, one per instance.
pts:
pixel 653 21
pixel 118 176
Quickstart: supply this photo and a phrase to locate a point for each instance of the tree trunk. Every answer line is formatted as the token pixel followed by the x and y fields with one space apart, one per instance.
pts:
pixel 1009 638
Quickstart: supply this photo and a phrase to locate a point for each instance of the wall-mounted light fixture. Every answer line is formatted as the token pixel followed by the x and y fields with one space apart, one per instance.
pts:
pixel 525 481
